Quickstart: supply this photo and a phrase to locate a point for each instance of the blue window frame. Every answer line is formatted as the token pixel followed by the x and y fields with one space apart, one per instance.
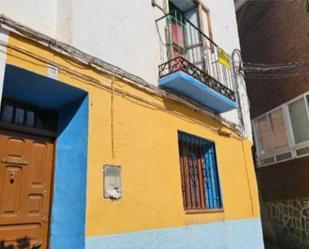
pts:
pixel 199 173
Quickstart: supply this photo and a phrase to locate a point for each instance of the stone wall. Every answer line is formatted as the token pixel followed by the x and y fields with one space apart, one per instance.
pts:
pixel 286 223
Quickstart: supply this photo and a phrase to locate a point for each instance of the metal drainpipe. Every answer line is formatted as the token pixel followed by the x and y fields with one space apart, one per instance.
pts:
pixel 236 52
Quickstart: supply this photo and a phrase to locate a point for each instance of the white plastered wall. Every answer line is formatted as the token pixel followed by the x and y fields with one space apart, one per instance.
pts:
pixel 121 32
pixel 40 15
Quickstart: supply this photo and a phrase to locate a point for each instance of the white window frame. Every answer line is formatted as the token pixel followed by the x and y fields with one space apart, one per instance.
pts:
pixel 292 147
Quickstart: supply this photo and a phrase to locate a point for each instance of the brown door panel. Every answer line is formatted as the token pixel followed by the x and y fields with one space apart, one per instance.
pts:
pixel 21 233
pixel 26 166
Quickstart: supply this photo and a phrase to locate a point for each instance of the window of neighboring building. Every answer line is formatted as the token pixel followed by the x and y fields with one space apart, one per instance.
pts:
pixel 264 134
pixel 283 134
pixel 299 120
pixel 278 129
pixel 199 173
pixel 271 131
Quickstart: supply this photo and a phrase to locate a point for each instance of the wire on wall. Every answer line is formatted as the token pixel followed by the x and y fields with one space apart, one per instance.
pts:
pixel 116 91
pixel 273 71
pixel 112 117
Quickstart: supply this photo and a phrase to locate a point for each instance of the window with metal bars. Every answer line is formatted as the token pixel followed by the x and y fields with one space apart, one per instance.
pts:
pixel 22 114
pixel 199 173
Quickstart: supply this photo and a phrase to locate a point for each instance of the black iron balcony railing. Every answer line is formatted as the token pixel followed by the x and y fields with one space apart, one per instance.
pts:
pixel 181 64
pixel 185 47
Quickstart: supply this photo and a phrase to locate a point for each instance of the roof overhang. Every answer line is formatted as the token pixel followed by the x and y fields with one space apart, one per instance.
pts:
pixel 183 5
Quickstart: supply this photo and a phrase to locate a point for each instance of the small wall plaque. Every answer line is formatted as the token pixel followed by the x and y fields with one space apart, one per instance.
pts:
pixel 112 182
pixel 53 72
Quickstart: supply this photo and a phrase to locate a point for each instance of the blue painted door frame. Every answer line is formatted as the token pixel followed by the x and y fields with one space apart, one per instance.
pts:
pixel 68 207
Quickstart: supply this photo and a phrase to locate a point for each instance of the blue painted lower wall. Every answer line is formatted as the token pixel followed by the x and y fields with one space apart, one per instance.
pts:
pixel 69 199
pixel 240 234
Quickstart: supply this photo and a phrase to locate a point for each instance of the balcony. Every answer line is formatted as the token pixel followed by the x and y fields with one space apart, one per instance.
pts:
pixel 193 66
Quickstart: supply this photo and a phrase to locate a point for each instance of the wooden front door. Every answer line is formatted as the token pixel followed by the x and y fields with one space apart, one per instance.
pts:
pixel 26 166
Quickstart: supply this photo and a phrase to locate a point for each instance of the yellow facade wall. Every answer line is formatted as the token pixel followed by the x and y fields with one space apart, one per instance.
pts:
pixel 145 144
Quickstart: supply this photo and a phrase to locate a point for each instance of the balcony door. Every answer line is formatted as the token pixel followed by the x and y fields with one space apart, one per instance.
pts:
pixel 177 33
pixel 185 35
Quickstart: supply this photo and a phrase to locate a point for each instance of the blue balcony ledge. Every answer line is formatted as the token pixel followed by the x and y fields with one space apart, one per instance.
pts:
pixel 185 85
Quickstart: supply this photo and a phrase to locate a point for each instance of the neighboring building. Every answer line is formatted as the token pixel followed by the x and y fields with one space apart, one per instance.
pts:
pixel 277 32
pixel 123 153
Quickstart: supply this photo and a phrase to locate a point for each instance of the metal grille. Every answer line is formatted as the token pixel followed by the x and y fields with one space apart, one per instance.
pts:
pixel 22 114
pixel 199 175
